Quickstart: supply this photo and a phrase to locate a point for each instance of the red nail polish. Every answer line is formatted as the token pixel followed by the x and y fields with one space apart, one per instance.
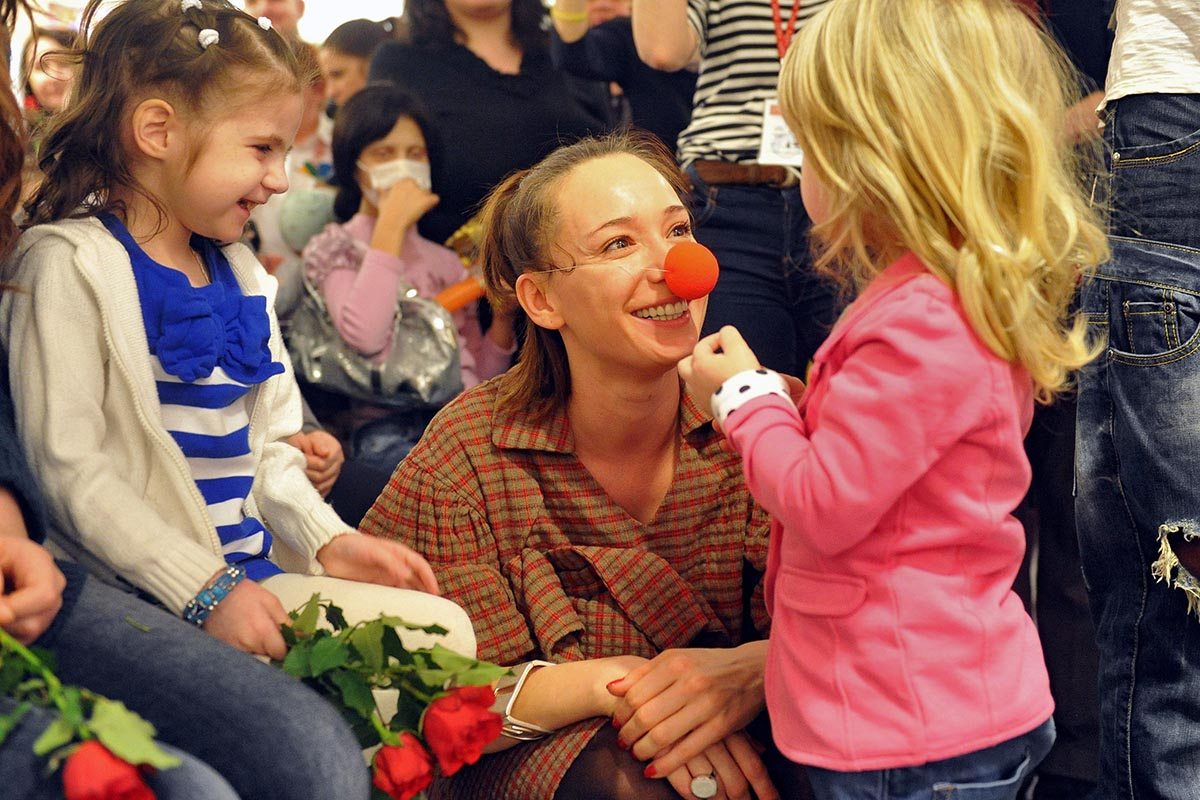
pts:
pixel 609 685
pixel 621 745
pixel 650 772
pixel 616 723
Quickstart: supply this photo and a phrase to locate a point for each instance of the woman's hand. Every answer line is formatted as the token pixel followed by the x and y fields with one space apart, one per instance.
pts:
pixel 323 458
pixel 32 587
pixel 400 207
pixel 249 619
pixel 735 764
pixel 715 359
pixel 683 701
pixel 370 559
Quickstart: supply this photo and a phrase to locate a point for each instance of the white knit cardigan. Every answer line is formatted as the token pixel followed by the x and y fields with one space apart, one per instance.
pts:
pixel 89 419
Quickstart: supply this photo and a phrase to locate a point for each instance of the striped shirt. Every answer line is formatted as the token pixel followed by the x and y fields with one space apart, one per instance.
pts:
pixel 208 348
pixel 739 70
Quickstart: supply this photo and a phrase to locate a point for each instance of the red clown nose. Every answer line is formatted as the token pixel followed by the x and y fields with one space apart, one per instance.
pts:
pixel 691 270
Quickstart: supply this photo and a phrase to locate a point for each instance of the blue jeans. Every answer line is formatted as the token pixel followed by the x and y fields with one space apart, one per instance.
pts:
pixel 1136 443
pixel 22 773
pixel 994 773
pixel 767 288
pixel 265 732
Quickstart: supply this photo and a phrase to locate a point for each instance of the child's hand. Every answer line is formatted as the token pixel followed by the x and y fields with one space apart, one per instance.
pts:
pixel 715 359
pixel 323 457
pixel 370 559
pixel 249 618
pixel 399 209
pixel 31 587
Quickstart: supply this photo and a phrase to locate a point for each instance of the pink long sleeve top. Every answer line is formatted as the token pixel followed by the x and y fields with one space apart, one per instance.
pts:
pixel 360 285
pixel 896 638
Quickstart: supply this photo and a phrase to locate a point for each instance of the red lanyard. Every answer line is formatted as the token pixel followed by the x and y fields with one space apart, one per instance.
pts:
pixel 783 36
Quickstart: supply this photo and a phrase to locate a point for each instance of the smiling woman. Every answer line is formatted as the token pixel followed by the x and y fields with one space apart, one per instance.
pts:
pixel 561 501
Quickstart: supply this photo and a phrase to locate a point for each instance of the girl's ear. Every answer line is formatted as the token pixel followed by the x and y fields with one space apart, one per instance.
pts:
pixel 539 304
pixel 156 128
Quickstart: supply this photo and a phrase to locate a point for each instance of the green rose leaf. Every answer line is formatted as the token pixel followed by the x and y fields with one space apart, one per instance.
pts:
pixel 336 619
pixel 297 662
pixel 56 735
pixel 395 622
pixel 481 674
pixel 10 720
pixel 356 693
pixel 447 659
pixel 328 654
pixel 394 649
pixel 72 705
pixel 128 736
pixel 307 615
pixel 368 641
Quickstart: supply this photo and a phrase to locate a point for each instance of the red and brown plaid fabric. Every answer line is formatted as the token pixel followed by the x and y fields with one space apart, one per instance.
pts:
pixel 548 566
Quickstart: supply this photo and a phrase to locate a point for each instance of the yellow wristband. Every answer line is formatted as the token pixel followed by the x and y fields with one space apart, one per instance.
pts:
pixel 567 16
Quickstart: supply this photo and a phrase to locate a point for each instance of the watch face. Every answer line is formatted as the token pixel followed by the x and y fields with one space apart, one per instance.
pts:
pixel 704 786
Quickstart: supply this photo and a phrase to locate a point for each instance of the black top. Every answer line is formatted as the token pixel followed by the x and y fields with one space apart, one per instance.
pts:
pixel 1082 28
pixel 15 475
pixel 488 124
pixel 661 102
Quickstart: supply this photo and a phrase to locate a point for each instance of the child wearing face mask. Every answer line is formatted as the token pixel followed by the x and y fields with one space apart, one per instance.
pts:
pixel 373 252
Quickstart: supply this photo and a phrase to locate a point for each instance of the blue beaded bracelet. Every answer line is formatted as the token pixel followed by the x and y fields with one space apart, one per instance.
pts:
pixel 199 607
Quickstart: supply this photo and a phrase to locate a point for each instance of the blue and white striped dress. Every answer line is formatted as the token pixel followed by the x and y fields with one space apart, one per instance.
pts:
pixel 208 349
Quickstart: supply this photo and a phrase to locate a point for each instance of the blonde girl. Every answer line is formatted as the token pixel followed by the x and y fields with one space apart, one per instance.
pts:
pixel 901 664
pixel 154 393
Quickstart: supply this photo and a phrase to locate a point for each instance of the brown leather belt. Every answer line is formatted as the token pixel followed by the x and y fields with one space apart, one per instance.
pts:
pixel 719 172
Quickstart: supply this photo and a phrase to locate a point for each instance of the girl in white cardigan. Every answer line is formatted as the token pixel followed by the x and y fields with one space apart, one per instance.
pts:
pixel 154 392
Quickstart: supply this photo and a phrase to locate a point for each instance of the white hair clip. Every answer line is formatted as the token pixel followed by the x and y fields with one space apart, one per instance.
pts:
pixel 188 4
pixel 263 22
pixel 208 37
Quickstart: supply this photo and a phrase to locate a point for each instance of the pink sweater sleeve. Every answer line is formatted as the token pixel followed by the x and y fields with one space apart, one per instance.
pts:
pixel 481 357
pixel 908 390
pixel 362 303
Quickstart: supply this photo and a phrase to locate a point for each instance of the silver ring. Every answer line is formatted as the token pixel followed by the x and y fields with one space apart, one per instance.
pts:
pixel 704 786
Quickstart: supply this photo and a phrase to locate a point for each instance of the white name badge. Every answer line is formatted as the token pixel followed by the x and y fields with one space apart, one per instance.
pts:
pixel 777 145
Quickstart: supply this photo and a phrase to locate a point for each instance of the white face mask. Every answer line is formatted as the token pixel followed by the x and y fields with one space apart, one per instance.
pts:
pixel 389 173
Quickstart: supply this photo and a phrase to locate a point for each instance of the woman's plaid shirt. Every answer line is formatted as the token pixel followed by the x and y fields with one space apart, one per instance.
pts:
pixel 548 566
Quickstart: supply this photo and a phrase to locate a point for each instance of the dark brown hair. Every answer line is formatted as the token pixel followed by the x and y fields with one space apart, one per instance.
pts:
pixel 427 23
pixel 139 50
pixel 519 223
pixel 358 38
pixel 12 144
pixel 63 38
pixel 368 116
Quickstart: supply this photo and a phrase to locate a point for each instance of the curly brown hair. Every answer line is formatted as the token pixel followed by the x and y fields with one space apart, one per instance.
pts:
pixel 12 142
pixel 142 49
pixel 427 23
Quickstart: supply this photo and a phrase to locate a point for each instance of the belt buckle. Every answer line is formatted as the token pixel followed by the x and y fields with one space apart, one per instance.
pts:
pixel 791 178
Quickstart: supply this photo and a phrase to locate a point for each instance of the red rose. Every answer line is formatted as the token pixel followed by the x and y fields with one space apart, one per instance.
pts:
pixel 404 769
pixel 93 773
pixel 457 726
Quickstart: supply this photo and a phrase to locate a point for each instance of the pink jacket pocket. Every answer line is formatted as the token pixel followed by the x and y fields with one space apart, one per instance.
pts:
pixel 819 594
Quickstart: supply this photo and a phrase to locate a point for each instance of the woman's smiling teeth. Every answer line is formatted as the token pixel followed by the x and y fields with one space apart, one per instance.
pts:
pixel 663 312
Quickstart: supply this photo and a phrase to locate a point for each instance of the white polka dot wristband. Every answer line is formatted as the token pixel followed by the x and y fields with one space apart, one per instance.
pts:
pixel 744 387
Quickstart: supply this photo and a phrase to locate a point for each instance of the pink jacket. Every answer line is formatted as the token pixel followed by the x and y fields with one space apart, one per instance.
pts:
pixel 360 287
pixel 896 638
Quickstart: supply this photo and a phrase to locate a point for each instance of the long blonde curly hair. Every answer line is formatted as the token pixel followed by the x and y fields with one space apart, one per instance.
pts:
pixel 937 127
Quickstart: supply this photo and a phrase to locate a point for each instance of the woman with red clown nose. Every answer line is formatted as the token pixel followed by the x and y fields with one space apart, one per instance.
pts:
pixel 582 509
